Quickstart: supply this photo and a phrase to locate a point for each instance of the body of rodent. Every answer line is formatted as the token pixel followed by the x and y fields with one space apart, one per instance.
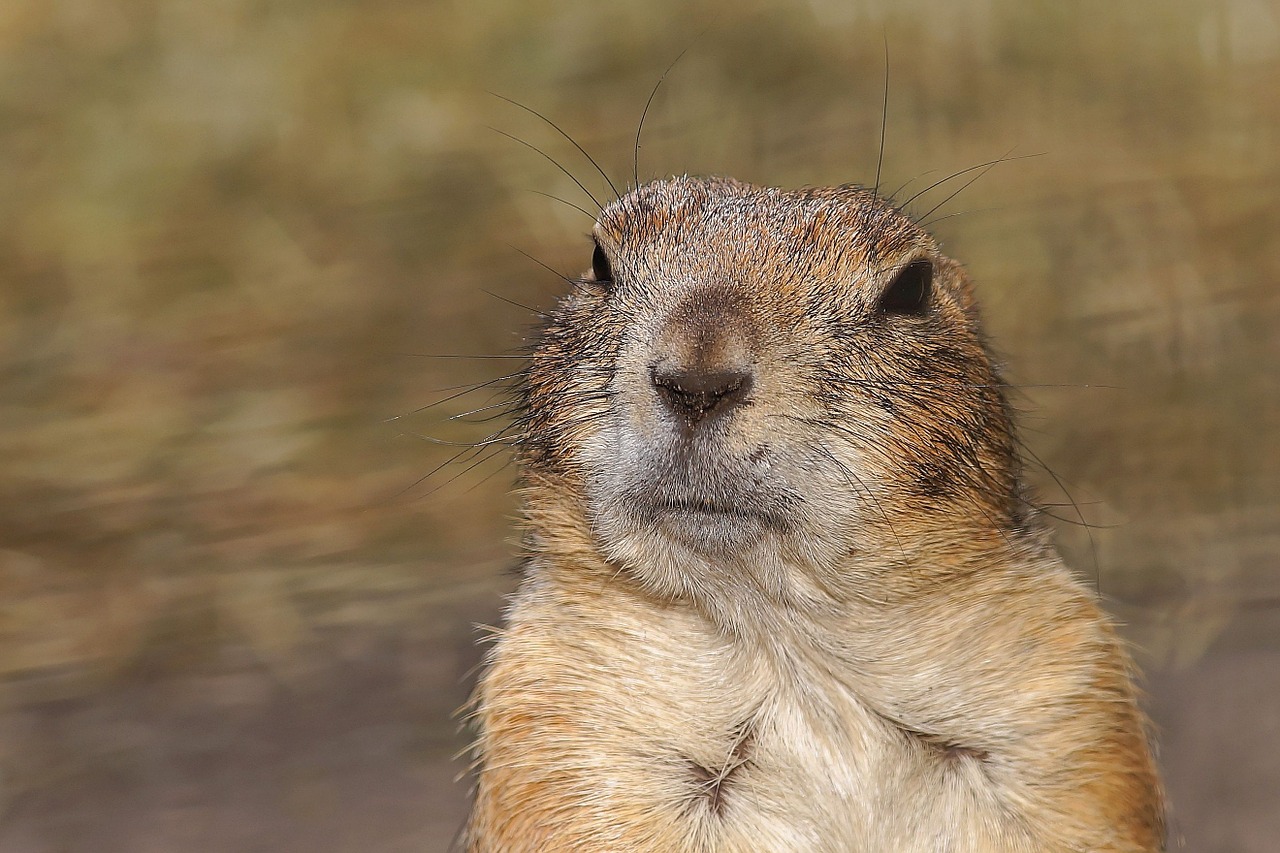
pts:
pixel 784 587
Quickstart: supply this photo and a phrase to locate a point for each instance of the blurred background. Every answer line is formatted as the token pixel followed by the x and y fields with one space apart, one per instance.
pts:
pixel 240 584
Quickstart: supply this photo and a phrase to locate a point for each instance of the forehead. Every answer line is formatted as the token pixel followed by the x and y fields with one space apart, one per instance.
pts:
pixel 719 220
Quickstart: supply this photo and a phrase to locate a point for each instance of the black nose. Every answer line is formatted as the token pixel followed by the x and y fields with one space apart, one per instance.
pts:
pixel 694 394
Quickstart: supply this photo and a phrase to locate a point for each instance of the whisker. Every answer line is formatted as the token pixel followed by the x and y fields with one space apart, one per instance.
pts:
pixel 485 442
pixel 505 406
pixel 466 389
pixel 929 223
pixel 530 309
pixel 451 355
pixel 451 460
pixel 553 162
pixel 987 165
pixel 867 441
pixel 893 195
pixel 572 141
pixel 483 458
pixel 487 477
pixel 848 473
pixel 915 383
pixel 1088 528
pixel 545 266
pixel 567 203
pixel 884 114
pixel 635 155
pixel 960 189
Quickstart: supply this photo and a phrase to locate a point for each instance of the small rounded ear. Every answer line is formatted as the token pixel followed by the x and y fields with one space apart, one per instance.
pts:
pixel 955 280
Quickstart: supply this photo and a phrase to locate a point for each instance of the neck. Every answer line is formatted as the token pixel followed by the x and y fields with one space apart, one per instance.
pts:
pixel 928 616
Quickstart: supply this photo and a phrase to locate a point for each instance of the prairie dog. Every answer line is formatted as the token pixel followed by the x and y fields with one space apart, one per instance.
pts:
pixel 784 588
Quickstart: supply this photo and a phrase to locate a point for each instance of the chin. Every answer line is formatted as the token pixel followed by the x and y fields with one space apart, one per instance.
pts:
pixel 727 563
pixel 717 536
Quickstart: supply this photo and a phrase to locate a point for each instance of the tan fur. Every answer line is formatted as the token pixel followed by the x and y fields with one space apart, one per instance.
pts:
pixel 883 654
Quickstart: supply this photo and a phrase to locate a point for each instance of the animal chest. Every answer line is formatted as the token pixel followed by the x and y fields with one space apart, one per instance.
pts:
pixel 677 740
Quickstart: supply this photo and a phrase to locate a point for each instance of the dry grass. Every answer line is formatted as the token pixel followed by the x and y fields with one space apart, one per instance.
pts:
pixel 228 229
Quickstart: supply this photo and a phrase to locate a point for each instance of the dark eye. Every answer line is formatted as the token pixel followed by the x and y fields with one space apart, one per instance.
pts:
pixel 601 269
pixel 909 291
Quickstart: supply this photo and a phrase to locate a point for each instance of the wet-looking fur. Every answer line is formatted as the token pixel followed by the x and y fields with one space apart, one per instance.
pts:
pixel 785 590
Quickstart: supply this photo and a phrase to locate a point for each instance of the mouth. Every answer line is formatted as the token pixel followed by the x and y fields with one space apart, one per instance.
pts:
pixel 698 496
pixel 717 514
pixel 697 507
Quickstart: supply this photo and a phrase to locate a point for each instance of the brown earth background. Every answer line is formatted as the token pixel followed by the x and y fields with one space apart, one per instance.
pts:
pixel 237 598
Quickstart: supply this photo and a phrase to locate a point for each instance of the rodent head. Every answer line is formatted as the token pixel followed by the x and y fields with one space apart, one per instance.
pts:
pixel 765 393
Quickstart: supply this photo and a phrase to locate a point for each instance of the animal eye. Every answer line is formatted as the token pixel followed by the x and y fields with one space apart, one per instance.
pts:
pixel 909 291
pixel 601 269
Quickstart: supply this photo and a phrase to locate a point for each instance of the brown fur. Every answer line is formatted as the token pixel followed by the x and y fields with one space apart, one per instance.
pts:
pixel 823 617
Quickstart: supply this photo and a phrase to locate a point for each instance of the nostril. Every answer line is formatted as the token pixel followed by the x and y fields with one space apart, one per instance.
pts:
pixel 694 393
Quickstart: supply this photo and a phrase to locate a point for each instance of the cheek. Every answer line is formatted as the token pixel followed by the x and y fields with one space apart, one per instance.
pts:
pixel 856 455
pixel 636 409
pixel 570 391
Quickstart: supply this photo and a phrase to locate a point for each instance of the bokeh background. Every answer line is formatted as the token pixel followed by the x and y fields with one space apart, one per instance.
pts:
pixel 239 581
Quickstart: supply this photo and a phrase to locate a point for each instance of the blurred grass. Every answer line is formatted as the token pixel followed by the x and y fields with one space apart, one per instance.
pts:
pixel 230 229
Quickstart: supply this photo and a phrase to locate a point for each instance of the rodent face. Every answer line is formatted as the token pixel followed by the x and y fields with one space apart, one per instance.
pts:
pixel 782 391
